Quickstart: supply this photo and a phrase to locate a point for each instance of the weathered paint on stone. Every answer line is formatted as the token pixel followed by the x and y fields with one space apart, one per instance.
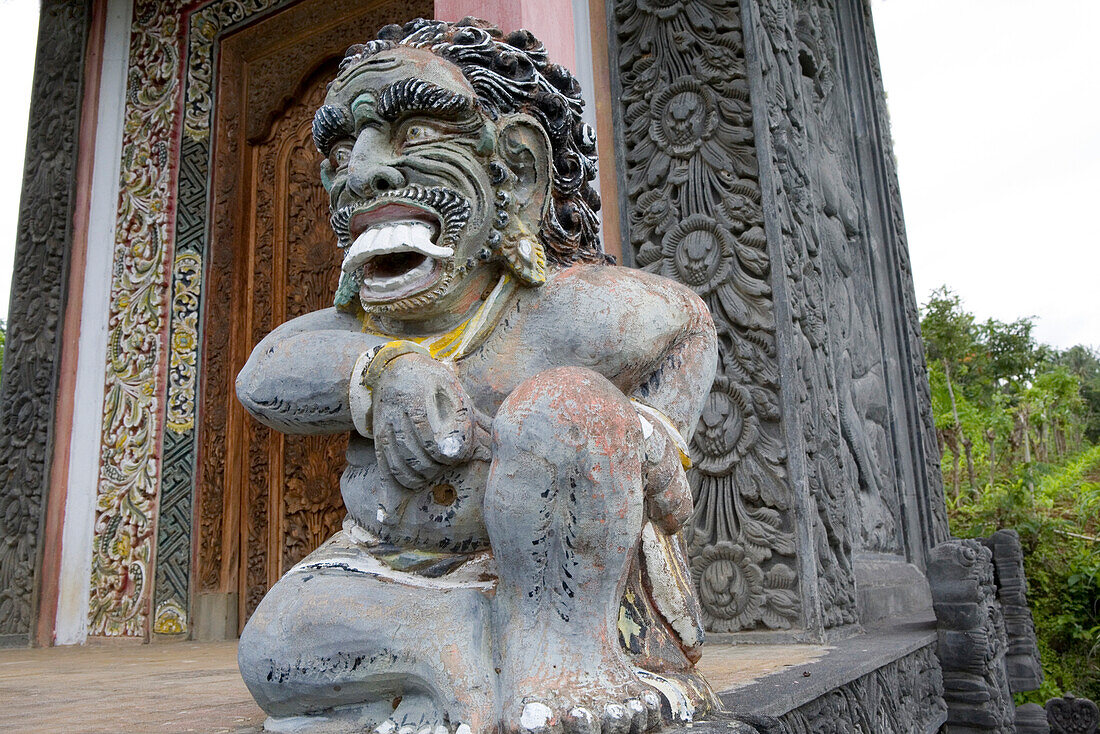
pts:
pixel 523 410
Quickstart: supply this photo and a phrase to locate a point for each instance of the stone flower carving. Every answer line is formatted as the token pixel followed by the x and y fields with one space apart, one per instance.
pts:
pixel 731 587
pixel 736 594
pixel 652 217
pixel 727 429
pixel 684 119
pixel 780 597
pixel 730 438
pixel 698 253
pixel 663 9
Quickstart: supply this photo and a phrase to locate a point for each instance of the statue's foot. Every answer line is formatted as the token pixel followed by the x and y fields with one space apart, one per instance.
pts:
pixel 419 715
pixel 340 720
pixel 590 700
pixel 333 649
pixel 411 714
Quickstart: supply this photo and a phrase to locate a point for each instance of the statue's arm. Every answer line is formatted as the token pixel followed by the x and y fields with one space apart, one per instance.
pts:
pixel 296 379
pixel 679 381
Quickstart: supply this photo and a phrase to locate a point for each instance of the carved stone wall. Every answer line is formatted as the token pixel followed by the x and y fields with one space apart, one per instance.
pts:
pixel 39 283
pixel 691 182
pixel 926 507
pixel 903 697
pixel 756 169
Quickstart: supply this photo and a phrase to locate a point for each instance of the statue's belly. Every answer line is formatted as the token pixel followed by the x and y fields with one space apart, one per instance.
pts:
pixel 446 516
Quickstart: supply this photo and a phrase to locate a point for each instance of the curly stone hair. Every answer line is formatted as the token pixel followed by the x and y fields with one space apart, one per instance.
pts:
pixel 511 74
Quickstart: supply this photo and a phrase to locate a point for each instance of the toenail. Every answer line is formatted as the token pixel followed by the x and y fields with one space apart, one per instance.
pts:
pixel 535 716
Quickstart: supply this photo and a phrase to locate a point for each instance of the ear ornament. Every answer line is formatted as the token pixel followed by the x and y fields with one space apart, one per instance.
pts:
pixel 525 255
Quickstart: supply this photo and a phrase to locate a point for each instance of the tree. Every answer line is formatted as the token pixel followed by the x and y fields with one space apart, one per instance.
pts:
pixel 948 332
pixel 1084 362
pixel 992 382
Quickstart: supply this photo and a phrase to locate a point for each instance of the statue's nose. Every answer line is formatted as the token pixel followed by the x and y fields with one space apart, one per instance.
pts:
pixel 374 178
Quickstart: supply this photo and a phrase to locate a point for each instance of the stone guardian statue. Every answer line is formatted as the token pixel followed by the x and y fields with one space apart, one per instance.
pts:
pixel 519 411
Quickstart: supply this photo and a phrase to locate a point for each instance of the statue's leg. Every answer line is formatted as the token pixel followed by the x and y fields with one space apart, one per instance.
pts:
pixel 564 511
pixel 350 652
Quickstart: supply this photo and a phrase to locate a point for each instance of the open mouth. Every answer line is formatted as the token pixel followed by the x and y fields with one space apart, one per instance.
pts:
pixel 394 251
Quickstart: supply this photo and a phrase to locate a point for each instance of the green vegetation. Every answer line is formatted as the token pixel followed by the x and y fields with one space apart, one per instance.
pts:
pixel 1018 424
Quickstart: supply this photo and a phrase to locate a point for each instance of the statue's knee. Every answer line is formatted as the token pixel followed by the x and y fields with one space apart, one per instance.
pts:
pixel 566 404
pixel 269 639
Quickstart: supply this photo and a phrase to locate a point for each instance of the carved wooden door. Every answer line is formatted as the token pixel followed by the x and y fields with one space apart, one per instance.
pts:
pixel 264 500
pixel 291 502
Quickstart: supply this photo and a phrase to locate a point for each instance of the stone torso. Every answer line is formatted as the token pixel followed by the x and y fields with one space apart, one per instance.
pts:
pixel 614 321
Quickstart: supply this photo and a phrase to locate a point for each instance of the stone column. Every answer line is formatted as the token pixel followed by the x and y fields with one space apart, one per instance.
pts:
pixel 1022 663
pixel 755 167
pixel 971 639
pixel 33 349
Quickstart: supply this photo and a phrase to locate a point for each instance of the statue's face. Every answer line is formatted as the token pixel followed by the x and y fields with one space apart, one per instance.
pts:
pixel 409 182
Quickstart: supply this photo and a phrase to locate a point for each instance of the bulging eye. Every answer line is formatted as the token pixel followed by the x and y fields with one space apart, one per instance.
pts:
pixel 340 154
pixel 420 133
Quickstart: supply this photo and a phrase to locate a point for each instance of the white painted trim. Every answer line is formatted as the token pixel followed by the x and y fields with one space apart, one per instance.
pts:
pixel 74 584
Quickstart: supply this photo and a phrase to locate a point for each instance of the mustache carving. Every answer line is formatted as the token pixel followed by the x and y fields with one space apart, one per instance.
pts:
pixel 448 207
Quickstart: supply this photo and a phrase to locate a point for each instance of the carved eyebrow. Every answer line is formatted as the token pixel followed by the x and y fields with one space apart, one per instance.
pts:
pixel 331 123
pixel 417 95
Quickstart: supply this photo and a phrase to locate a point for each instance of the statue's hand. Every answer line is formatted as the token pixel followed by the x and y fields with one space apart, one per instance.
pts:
pixel 423 420
pixel 668 495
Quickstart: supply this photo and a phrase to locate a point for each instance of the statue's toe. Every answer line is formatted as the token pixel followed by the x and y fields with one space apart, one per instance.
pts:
pixel 654 718
pixel 538 718
pixel 580 720
pixel 638 714
pixel 616 719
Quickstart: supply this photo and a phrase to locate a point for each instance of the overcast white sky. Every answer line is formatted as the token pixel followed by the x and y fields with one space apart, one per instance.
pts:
pixel 995 106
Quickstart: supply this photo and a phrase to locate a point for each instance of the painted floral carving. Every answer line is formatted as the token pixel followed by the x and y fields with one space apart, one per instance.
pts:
pixel 160 259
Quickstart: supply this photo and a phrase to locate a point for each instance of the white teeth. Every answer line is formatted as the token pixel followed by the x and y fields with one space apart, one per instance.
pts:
pixel 381 286
pixel 385 239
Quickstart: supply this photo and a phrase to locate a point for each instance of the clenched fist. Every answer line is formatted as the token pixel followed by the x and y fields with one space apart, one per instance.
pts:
pixel 423 420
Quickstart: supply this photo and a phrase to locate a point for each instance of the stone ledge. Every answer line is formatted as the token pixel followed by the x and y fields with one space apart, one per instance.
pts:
pixel 778 693
pixel 837 682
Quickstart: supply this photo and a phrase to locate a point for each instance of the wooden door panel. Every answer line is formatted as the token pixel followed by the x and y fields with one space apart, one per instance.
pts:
pixel 265 500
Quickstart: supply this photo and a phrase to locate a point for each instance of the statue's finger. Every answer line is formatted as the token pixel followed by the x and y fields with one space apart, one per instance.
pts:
pixel 450 431
pixel 411 448
pixel 393 463
pixel 452 440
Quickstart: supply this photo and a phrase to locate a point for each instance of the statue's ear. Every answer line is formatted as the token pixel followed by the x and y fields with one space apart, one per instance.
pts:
pixel 523 146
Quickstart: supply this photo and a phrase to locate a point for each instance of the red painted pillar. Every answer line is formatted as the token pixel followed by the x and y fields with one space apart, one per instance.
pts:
pixel 550 20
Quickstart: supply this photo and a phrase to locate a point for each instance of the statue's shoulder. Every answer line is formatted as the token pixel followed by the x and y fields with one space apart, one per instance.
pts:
pixel 610 292
pixel 326 319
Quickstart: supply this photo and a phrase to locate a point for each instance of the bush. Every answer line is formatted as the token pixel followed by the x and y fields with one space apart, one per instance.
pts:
pixel 1056 509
